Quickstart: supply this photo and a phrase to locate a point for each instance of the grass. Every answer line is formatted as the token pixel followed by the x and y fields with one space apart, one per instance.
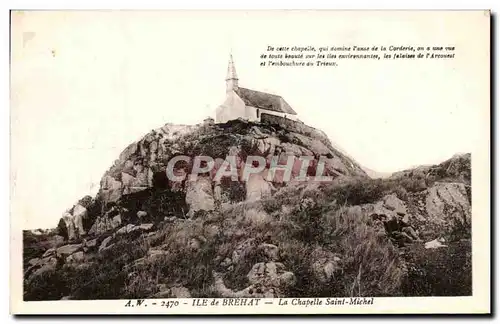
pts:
pixel 308 222
pixel 345 231
pixel 439 272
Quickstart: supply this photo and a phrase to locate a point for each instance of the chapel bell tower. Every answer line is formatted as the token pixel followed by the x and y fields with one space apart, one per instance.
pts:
pixel 231 77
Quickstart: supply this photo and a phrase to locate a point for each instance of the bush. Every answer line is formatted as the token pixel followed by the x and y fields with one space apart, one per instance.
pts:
pixel 300 219
pixel 371 264
pixel 50 285
pixel 439 272
pixel 233 191
pixel 31 247
pixel 62 229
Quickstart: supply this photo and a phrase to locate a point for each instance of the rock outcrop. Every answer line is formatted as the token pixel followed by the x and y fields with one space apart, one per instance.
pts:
pixel 200 195
pixel 267 280
pixel 443 210
pixel 143 164
pixel 74 218
pixel 155 236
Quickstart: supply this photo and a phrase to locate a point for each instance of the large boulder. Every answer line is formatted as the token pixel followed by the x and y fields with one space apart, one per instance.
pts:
pixel 76 257
pixel 266 144
pixel 180 292
pixel 79 214
pixel 67 217
pixel 105 243
pixel 257 187
pixel 267 280
pixel 391 211
pixel 129 228
pixel 69 249
pixel 109 221
pixel 73 219
pixel 434 244
pixel 89 245
pixel 41 266
pixel 143 163
pixel 270 251
pixel 199 195
pixel 111 189
pixel 325 265
pixel 443 210
pixel 269 273
pixel 448 200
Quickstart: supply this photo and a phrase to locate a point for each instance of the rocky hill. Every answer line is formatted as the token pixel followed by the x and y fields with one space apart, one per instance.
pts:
pixel 146 234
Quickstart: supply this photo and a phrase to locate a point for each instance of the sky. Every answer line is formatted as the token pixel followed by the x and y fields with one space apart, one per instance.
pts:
pixel 86 84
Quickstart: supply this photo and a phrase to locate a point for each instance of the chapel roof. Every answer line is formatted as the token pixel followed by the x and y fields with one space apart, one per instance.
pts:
pixel 264 100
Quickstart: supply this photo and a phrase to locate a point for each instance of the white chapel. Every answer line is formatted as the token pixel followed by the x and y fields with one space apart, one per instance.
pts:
pixel 249 104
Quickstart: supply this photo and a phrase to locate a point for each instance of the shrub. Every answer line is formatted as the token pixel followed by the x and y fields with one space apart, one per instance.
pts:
pixel 234 191
pixel 50 285
pixel 300 219
pixel 31 247
pixel 356 191
pixel 439 272
pixel 371 263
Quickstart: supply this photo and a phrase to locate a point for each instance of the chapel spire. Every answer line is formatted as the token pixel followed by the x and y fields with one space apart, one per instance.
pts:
pixel 231 77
